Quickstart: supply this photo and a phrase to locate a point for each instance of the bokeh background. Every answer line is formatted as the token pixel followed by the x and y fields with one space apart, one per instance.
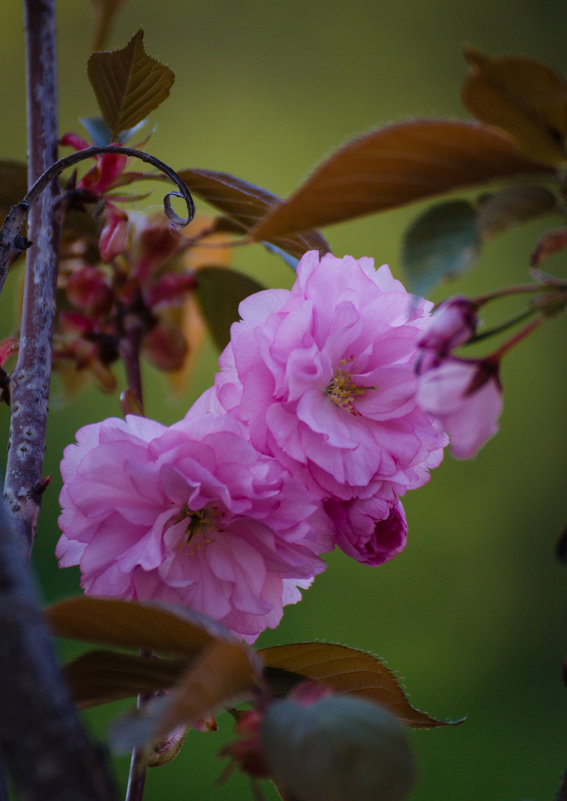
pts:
pixel 473 613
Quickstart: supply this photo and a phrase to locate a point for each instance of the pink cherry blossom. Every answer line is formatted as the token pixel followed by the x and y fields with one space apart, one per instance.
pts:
pixel 190 514
pixel 465 398
pixel 452 323
pixel 323 377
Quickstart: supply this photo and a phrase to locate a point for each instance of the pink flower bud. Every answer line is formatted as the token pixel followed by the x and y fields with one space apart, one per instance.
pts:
pixel 114 236
pixel 452 323
pixel 169 290
pixel 465 398
pixel 88 289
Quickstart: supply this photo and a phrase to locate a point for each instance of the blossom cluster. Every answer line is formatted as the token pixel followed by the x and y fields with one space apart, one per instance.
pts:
pixel 307 440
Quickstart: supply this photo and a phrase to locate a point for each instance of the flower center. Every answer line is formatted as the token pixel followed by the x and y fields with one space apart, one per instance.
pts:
pixel 201 525
pixel 341 389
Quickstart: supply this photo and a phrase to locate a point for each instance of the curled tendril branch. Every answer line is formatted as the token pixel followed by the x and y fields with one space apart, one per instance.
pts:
pixel 11 240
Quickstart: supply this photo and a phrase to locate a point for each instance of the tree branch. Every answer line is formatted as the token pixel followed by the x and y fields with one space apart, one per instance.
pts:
pixel 41 739
pixel 30 381
pixel 43 743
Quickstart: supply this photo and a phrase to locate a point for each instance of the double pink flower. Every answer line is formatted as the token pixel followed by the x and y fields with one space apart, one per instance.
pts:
pixel 308 439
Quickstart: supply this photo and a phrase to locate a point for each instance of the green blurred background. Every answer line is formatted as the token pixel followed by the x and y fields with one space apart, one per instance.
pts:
pixel 473 614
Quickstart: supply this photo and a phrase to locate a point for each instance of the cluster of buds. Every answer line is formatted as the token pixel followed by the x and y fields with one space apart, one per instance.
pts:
pixel 128 299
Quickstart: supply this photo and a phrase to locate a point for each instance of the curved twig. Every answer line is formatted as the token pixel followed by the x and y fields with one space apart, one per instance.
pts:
pixel 12 243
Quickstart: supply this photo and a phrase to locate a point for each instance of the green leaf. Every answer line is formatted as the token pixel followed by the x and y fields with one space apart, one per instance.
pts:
pixel 348 672
pixel 245 204
pixel 219 292
pixel 128 84
pixel 104 13
pixel 394 166
pixel 441 243
pixel 128 624
pixel 524 97
pixel 513 205
pixel 97 130
pixel 337 749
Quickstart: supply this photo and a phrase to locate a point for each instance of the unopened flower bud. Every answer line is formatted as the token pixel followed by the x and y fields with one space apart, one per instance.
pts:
pixel 338 749
pixel 452 324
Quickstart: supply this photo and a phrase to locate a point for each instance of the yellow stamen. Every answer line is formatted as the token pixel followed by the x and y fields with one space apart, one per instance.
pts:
pixel 199 528
pixel 341 389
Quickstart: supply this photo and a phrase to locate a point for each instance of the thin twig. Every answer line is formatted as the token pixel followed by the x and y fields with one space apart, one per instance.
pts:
pixel 137 775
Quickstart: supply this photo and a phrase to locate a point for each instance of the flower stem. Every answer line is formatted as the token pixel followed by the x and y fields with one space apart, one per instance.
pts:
pixel 517 338
pixel 515 289
pixel 498 329
pixel 130 342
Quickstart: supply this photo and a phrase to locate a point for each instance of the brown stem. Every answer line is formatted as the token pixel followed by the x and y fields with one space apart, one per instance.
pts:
pixel 30 381
pixel 137 775
pixel 139 758
pixel 130 343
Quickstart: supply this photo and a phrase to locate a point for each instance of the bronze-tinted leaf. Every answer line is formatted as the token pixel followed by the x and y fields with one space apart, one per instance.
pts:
pixel 99 677
pixel 442 242
pixel 222 673
pixel 104 13
pixel 513 205
pixel 129 624
pixel 349 672
pixel 219 291
pixel 128 84
pixel 394 166
pixel 246 204
pixel 522 96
